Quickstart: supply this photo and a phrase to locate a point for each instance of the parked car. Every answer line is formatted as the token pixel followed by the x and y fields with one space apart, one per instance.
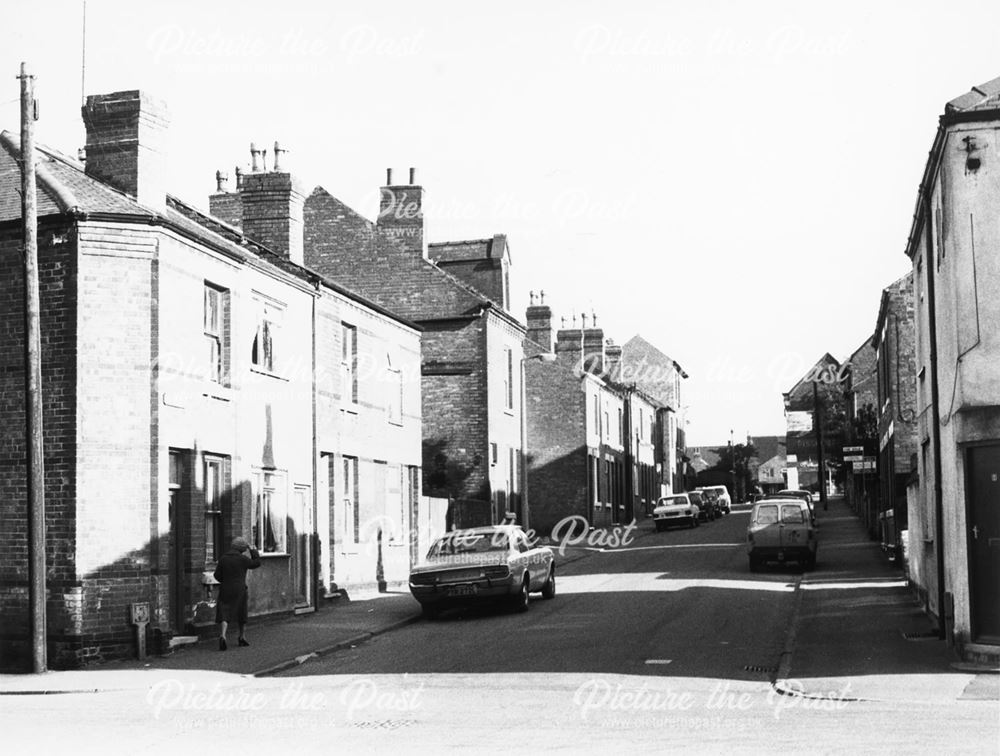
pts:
pixel 675 510
pixel 707 508
pixel 781 530
pixel 725 503
pixel 806 496
pixel 493 563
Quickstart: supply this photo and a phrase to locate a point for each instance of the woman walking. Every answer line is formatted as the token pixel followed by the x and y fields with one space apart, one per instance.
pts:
pixel 231 572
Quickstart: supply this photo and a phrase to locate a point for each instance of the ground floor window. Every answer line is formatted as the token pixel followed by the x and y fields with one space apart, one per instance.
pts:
pixel 269 511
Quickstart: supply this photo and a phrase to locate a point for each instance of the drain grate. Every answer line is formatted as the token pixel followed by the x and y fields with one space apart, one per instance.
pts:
pixel 758 668
pixel 928 635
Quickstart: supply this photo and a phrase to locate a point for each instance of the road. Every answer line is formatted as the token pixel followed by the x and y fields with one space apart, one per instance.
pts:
pixel 667 644
pixel 678 603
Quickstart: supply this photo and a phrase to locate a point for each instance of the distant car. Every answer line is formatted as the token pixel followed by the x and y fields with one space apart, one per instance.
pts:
pixel 781 530
pixel 675 510
pixel 493 563
pixel 806 496
pixel 725 503
pixel 707 508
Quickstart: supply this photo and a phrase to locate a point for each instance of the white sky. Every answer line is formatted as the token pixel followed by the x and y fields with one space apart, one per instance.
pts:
pixel 733 180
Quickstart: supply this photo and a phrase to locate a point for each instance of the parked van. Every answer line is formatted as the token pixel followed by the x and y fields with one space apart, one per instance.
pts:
pixel 781 530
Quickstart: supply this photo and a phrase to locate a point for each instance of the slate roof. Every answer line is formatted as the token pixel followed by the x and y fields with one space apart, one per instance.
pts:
pixel 417 288
pixel 983 97
pixel 64 187
pixel 61 184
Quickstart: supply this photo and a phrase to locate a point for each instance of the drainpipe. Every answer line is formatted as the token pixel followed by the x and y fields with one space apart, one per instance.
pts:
pixel 930 259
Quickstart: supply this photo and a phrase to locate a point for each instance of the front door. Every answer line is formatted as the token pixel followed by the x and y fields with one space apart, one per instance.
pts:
pixel 177 486
pixel 983 517
pixel 302 547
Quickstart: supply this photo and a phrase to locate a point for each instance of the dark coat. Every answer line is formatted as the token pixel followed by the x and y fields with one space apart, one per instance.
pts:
pixel 231 572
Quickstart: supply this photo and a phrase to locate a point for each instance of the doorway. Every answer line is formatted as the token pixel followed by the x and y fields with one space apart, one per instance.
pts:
pixel 983 533
pixel 302 552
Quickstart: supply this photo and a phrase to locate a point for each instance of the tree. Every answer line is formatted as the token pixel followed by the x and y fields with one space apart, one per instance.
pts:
pixel 736 461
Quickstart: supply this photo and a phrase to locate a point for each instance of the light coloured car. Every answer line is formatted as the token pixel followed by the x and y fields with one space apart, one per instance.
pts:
pixel 781 530
pixel 492 563
pixel 677 509
pixel 722 497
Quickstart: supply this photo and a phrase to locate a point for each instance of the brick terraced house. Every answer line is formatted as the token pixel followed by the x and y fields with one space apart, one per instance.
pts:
pixel 896 373
pixel 458 293
pixel 594 444
pixel 198 384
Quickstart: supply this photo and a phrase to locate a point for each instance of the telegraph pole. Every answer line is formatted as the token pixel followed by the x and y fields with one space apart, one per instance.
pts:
pixel 33 377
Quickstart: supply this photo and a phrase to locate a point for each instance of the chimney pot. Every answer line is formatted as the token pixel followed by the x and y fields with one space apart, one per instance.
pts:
pixel 388 176
pixel 254 153
pixel 278 152
pixel 413 176
pixel 239 177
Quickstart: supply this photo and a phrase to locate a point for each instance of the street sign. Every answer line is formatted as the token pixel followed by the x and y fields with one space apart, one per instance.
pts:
pixel 798 422
pixel 867 465
pixel 854 450
pixel 854 457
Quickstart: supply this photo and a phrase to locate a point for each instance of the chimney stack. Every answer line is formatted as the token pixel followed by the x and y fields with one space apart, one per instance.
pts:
pixel 272 207
pixel 612 359
pixel 539 320
pixel 593 347
pixel 401 214
pixel 225 204
pixel 126 143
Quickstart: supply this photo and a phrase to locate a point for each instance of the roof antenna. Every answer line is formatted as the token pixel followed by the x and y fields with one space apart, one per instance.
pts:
pixel 83 59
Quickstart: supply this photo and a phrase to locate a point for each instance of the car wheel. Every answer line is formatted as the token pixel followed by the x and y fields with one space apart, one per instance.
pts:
pixel 659 527
pixel 549 589
pixel 430 612
pixel 524 595
pixel 694 522
pixel 754 564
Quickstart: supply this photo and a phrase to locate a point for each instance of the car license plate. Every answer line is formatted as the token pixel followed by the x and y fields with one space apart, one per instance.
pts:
pixel 462 590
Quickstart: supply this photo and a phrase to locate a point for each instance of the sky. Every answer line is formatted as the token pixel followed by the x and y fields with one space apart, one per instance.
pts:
pixel 734 181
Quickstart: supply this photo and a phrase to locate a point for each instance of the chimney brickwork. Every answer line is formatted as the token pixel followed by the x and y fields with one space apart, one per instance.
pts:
pixel 401 215
pixel 126 143
pixel 272 208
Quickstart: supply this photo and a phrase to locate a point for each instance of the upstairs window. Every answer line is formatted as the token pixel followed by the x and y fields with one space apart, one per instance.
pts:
pixel 394 393
pixel 215 307
pixel 508 382
pixel 264 352
pixel 349 362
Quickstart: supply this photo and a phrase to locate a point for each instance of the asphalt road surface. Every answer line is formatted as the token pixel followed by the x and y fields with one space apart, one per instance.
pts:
pixel 666 645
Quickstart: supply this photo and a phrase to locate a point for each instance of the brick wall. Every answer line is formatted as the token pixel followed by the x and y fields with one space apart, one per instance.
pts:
pixel 557 448
pixel 116 342
pixel 58 277
pixel 273 206
pixel 126 134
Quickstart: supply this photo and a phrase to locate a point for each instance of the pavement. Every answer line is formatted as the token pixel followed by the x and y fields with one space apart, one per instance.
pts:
pixel 857 634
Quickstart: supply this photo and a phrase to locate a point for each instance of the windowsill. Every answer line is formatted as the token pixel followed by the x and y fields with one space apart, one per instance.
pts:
pixel 264 371
pixel 397 544
pixel 218 391
pixel 508 411
pixel 346 550
pixel 397 423
pixel 351 408
pixel 273 555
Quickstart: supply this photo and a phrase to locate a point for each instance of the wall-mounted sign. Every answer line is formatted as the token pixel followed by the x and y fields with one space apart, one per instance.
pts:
pixel 798 422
